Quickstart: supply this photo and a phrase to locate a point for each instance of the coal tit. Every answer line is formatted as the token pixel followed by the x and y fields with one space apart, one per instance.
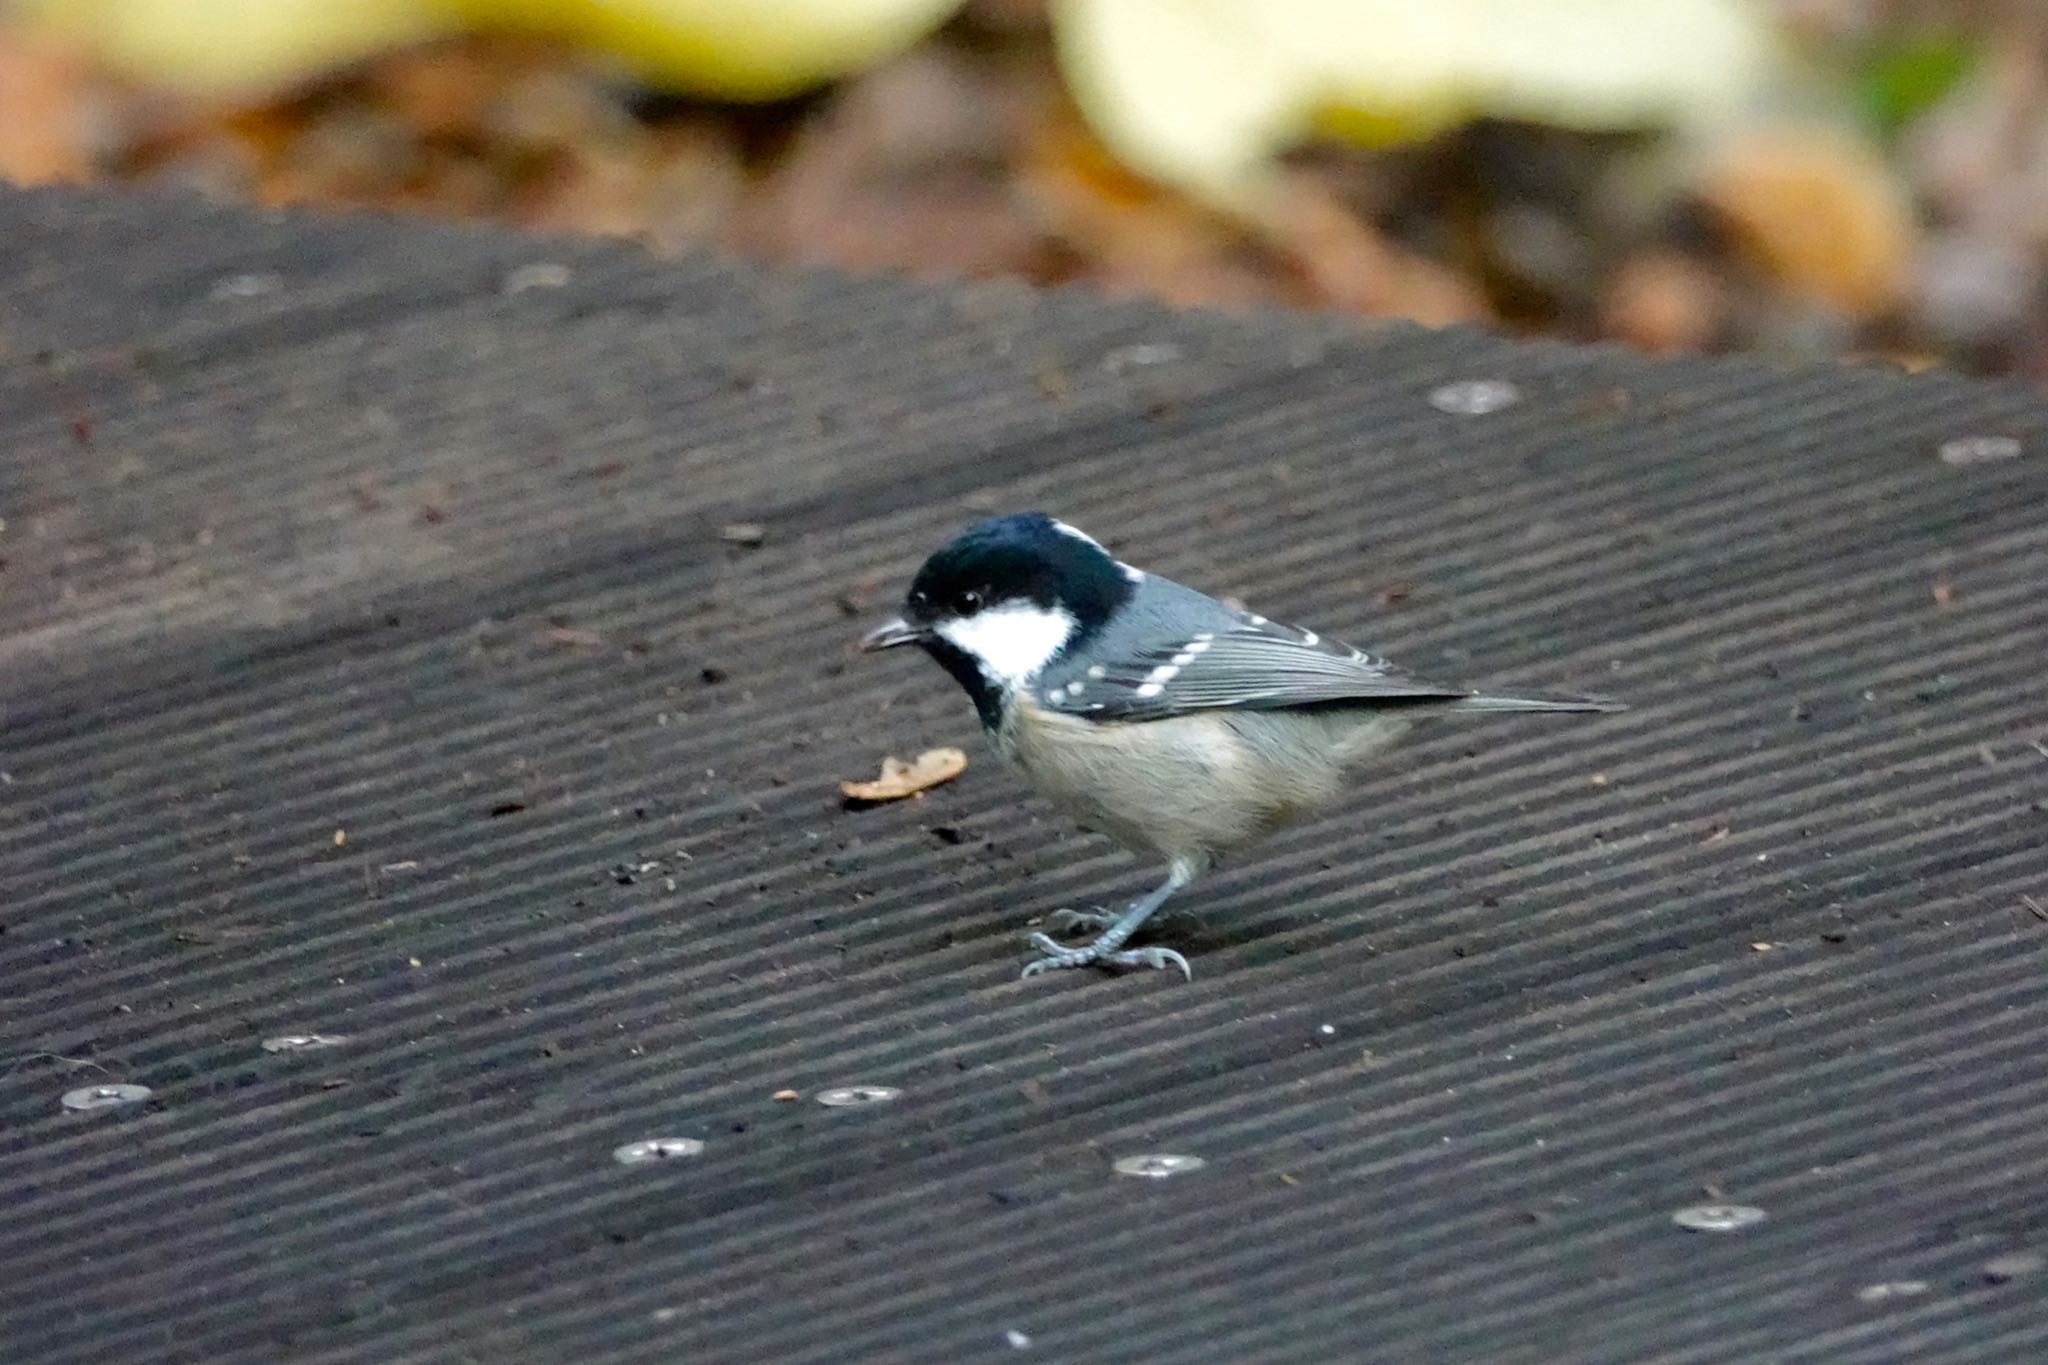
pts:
pixel 1181 727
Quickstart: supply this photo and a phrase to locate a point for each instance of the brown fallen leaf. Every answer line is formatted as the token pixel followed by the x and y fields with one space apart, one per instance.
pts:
pixel 1664 301
pixel 46 110
pixel 1348 263
pixel 900 779
pixel 1136 235
pixel 1822 215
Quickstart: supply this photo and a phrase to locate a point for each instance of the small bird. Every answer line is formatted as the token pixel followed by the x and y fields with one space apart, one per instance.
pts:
pixel 1181 727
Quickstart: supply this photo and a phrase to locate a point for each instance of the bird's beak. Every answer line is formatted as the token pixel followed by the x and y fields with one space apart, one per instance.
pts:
pixel 890 634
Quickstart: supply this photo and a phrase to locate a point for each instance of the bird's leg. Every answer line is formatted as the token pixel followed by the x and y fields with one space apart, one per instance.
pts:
pixel 1059 921
pixel 1108 949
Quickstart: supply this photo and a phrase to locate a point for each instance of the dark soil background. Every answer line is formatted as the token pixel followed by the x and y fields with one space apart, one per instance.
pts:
pixel 964 156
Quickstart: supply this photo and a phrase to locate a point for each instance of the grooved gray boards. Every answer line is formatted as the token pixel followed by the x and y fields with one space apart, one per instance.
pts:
pixel 372 663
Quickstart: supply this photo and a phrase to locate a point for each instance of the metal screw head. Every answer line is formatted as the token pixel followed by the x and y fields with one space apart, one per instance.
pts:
pixel 90 1097
pixel 1718 1217
pixel 1158 1165
pixel 302 1042
pixel 1969 450
pixel 849 1096
pixel 1474 397
pixel 249 286
pixel 656 1149
pixel 536 275
pixel 1141 353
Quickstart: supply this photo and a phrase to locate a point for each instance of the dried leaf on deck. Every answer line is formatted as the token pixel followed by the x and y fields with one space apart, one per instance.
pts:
pixel 900 779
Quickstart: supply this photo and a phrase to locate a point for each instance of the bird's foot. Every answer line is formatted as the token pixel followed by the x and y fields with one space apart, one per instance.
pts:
pixel 1090 955
pixel 1061 921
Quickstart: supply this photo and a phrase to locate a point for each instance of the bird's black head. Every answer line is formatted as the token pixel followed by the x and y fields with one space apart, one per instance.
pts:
pixel 1004 599
pixel 1025 560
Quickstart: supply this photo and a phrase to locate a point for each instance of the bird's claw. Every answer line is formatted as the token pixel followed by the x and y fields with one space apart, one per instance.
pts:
pixel 1051 950
pixel 1158 959
pixel 1090 956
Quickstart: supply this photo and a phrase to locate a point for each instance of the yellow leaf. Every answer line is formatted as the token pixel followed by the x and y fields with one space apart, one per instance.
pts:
pixel 734 49
pixel 214 47
pixel 738 49
pixel 1203 93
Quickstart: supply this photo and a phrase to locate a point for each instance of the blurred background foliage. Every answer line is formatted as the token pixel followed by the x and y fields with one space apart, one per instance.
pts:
pixel 1855 178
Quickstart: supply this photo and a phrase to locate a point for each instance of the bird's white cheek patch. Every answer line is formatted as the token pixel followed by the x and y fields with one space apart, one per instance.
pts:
pixel 1011 642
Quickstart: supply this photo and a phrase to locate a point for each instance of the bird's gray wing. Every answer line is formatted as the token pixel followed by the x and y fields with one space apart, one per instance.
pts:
pixel 1249 664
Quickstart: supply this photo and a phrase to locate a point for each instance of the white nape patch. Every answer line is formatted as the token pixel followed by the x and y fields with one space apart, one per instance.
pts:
pixel 1256 620
pixel 1012 641
pixel 1078 534
pixel 1133 574
pixel 1309 637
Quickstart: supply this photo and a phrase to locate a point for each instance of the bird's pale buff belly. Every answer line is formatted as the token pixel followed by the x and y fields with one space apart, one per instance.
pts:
pixel 1196 786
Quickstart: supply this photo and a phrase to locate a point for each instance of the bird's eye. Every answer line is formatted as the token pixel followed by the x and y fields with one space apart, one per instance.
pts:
pixel 969 602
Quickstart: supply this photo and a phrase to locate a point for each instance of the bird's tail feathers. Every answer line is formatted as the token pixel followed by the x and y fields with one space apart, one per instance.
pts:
pixel 1538 702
